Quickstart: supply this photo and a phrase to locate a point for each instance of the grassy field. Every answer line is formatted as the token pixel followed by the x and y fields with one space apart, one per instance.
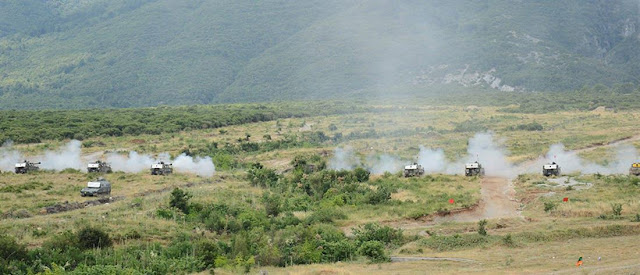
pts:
pixel 282 207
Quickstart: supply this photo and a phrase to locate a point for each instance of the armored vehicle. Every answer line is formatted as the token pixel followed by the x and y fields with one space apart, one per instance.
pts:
pixel 552 169
pixel 413 170
pixel 635 169
pixel 473 169
pixel 26 167
pixel 99 167
pixel 161 168
pixel 95 188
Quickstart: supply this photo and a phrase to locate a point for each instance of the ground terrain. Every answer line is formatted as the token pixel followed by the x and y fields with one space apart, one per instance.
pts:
pixel 523 236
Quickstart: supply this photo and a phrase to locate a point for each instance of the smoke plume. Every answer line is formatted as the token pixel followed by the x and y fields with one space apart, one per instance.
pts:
pixel 65 157
pixel 8 156
pixel 135 162
pixel 482 148
pixel 571 162
pixel 344 159
pixel 384 163
pixel 432 160
pixel 200 166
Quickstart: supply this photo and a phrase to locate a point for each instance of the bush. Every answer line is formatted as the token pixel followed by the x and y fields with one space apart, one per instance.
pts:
pixel 482 227
pixel 325 215
pixel 374 250
pixel 180 200
pixel 361 174
pixel 90 238
pixel 375 232
pixel 383 194
pixel 272 204
pixel 508 240
pixel 617 209
pixel 457 241
pixel 10 250
pixel 549 206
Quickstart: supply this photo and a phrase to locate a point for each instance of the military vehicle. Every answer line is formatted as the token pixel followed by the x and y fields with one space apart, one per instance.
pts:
pixel 99 167
pixel 413 170
pixel 95 188
pixel 26 167
pixel 473 169
pixel 635 169
pixel 161 168
pixel 552 169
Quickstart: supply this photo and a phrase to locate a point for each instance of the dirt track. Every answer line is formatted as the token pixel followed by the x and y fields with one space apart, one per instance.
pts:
pixel 497 201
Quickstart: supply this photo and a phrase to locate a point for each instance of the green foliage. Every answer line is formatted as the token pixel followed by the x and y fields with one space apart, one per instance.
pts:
pixel 26 126
pixel 263 177
pixel 374 250
pixel 381 195
pixel 272 204
pixel 454 242
pixel 482 227
pixel 616 208
pixel 91 238
pixel 549 206
pixel 508 240
pixel 375 232
pixel 180 200
pixel 533 126
pixel 10 250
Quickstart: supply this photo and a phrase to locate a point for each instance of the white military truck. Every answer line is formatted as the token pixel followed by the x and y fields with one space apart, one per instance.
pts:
pixel 26 167
pixel 96 188
pixel 413 170
pixel 161 168
pixel 473 169
pixel 551 169
pixel 98 167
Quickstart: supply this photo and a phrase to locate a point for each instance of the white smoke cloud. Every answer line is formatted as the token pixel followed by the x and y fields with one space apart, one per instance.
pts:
pixel 200 166
pixel 135 162
pixel 8 156
pixel 432 160
pixel 492 155
pixel 571 162
pixel 68 156
pixel 344 159
pixel 384 163
pixel 482 148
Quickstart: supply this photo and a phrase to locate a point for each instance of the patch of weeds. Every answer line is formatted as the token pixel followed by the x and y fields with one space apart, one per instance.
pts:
pixel 549 206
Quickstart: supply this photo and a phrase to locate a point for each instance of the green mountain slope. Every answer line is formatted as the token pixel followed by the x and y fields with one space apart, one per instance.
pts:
pixel 124 53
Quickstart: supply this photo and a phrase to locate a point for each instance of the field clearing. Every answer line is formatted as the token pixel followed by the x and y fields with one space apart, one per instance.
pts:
pixel 545 234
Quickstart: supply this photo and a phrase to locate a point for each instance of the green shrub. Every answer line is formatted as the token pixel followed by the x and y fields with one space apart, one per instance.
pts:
pixel 180 200
pixel 10 250
pixel 381 195
pixel 482 227
pixel 375 232
pixel 617 209
pixel 165 213
pixel 549 206
pixel 361 174
pixel 90 238
pixel 326 215
pixel 374 250
pixel 457 241
pixel 508 240
pixel 272 204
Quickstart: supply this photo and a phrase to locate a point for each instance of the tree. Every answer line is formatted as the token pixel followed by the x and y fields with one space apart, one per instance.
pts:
pixel 180 200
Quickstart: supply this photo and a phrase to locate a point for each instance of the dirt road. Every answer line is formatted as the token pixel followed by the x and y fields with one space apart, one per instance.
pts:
pixel 497 201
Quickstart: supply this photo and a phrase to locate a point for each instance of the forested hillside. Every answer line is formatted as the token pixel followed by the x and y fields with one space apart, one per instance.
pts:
pixel 127 53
